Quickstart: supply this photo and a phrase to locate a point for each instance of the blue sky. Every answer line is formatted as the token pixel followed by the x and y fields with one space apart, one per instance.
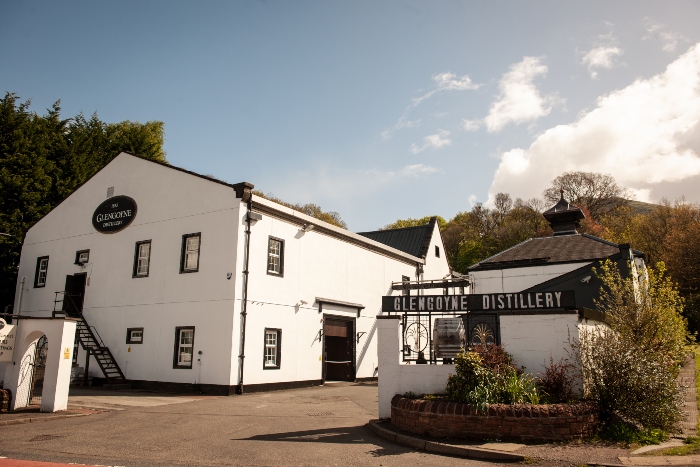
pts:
pixel 381 110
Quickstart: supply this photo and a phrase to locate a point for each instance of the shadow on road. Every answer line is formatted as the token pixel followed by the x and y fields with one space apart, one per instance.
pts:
pixel 344 435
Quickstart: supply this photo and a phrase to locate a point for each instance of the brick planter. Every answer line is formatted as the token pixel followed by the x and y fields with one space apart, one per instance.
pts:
pixel 554 422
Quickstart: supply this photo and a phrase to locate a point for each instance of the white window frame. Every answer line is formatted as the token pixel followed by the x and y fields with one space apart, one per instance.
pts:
pixel 190 255
pixel 275 256
pixel 178 360
pixel 272 349
pixel 42 271
pixel 141 258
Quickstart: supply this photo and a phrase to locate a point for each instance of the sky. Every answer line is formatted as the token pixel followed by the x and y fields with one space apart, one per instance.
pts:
pixel 381 110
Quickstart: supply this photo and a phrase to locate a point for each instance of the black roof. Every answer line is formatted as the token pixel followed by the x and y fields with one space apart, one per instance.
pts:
pixel 552 250
pixel 412 240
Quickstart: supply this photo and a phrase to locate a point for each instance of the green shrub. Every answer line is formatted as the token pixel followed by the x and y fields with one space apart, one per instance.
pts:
pixel 476 384
pixel 638 385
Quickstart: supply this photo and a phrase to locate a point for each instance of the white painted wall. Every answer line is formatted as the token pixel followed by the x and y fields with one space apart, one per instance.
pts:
pixel 318 265
pixel 327 262
pixel 170 204
pixel 396 377
pixel 518 279
pixel 533 339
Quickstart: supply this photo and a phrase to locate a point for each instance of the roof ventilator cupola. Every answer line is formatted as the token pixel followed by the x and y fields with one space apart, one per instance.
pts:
pixel 564 217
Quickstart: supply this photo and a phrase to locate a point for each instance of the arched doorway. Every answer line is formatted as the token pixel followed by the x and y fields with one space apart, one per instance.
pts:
pixel 32 369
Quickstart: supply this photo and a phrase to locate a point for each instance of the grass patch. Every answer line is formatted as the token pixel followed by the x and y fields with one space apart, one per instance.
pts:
pixel 622 433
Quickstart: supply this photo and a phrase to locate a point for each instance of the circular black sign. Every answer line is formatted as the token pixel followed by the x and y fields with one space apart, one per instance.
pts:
pixel 114 214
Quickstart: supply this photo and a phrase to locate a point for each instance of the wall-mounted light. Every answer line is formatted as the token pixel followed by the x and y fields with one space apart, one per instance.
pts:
pixel 307 227
pixel 254 217
pixel 228 275
pixel 303 302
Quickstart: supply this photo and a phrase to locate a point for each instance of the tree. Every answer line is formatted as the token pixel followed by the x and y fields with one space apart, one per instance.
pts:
pixel 599 193
pixel 410 222
pixel 309 209
pixel 43 159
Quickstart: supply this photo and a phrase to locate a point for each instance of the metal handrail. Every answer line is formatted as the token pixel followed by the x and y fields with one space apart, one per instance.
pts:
pixel 93 328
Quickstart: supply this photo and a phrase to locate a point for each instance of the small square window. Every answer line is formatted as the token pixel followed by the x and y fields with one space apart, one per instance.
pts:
pixel 437 251
pixel 184 347
pixel 82 257
pixel 189 261
pixel 275 256
pixel 142 259
pixel 273 346
pixel 42 269
pixel 134 336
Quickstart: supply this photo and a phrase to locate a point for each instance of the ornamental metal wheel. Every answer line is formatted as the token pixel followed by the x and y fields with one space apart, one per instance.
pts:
pixel 482 334
pixel 416 337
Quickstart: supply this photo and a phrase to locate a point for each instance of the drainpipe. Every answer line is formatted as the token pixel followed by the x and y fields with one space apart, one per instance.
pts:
pixel 244 299
pixel 21 292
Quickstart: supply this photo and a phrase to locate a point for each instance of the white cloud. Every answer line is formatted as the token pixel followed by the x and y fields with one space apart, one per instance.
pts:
pixel 646 135
pixel 403 122
pixel 603 56
pixel 471 125
pixel 472 200
pixel 669 40
pixel 443 82
pixel 436 141
pixel 519 100
pixel 447 82
pixel 414 171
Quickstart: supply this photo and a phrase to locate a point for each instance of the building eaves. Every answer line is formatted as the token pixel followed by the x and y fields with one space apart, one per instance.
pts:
pixel 265 206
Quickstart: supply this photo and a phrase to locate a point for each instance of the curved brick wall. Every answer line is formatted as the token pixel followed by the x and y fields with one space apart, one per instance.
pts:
pixel 508 422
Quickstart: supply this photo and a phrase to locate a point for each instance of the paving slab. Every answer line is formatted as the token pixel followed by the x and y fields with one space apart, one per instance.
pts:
pixel 661 460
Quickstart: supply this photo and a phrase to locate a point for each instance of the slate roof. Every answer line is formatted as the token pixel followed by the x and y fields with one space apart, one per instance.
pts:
pixel 412 240
pixel 551 250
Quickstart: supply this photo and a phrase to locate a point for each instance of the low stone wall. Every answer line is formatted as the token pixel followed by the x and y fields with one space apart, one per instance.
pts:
pixel 506 422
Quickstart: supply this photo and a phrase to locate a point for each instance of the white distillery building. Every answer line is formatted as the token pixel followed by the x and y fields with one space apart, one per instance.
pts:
pixel 185 282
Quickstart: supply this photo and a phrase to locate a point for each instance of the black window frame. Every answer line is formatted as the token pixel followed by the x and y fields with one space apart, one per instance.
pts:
pixel 437 251
pixel 135 273
pixel 278 346
pixel 36 273
pixel 270 239
pixel 176 365
pixel 77 256
pixel 183 252
pixel 128 336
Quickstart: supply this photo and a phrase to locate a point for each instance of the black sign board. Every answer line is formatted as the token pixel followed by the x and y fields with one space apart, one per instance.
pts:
pixel 114 214
pixel 481 302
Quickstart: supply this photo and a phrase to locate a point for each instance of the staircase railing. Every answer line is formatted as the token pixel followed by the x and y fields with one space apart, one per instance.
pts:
pixel 90 340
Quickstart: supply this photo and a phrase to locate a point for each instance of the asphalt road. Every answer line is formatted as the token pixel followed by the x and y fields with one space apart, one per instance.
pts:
pixel 318 426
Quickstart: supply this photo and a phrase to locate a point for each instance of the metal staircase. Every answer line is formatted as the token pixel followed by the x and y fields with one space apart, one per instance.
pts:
pixel 89 338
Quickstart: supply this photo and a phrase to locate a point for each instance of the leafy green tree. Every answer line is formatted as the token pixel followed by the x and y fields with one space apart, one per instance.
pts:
pixel 44 158
pixel 410 222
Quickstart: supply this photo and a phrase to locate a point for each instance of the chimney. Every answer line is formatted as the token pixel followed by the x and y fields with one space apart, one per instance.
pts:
pixel 564 217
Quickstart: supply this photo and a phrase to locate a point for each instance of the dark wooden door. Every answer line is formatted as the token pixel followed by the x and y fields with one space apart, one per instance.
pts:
pixel 339 349
pixel 74 295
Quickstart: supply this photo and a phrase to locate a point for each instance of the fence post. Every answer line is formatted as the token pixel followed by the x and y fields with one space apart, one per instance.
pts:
pixel 388 356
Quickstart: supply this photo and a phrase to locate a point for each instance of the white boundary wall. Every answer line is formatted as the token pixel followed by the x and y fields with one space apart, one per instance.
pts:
pixel 531 339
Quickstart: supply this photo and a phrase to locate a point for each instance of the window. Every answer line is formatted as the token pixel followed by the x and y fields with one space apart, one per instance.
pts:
pixel 142 258
pixel 42 268
pixel 437 251
pixel 134 336
pixel 275 257
pixel 184 347
pixel 273 341
pixel 190 252
pixel 82 257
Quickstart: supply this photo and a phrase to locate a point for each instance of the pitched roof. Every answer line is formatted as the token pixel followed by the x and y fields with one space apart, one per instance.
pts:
pixel 412 240
pixel 551 250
